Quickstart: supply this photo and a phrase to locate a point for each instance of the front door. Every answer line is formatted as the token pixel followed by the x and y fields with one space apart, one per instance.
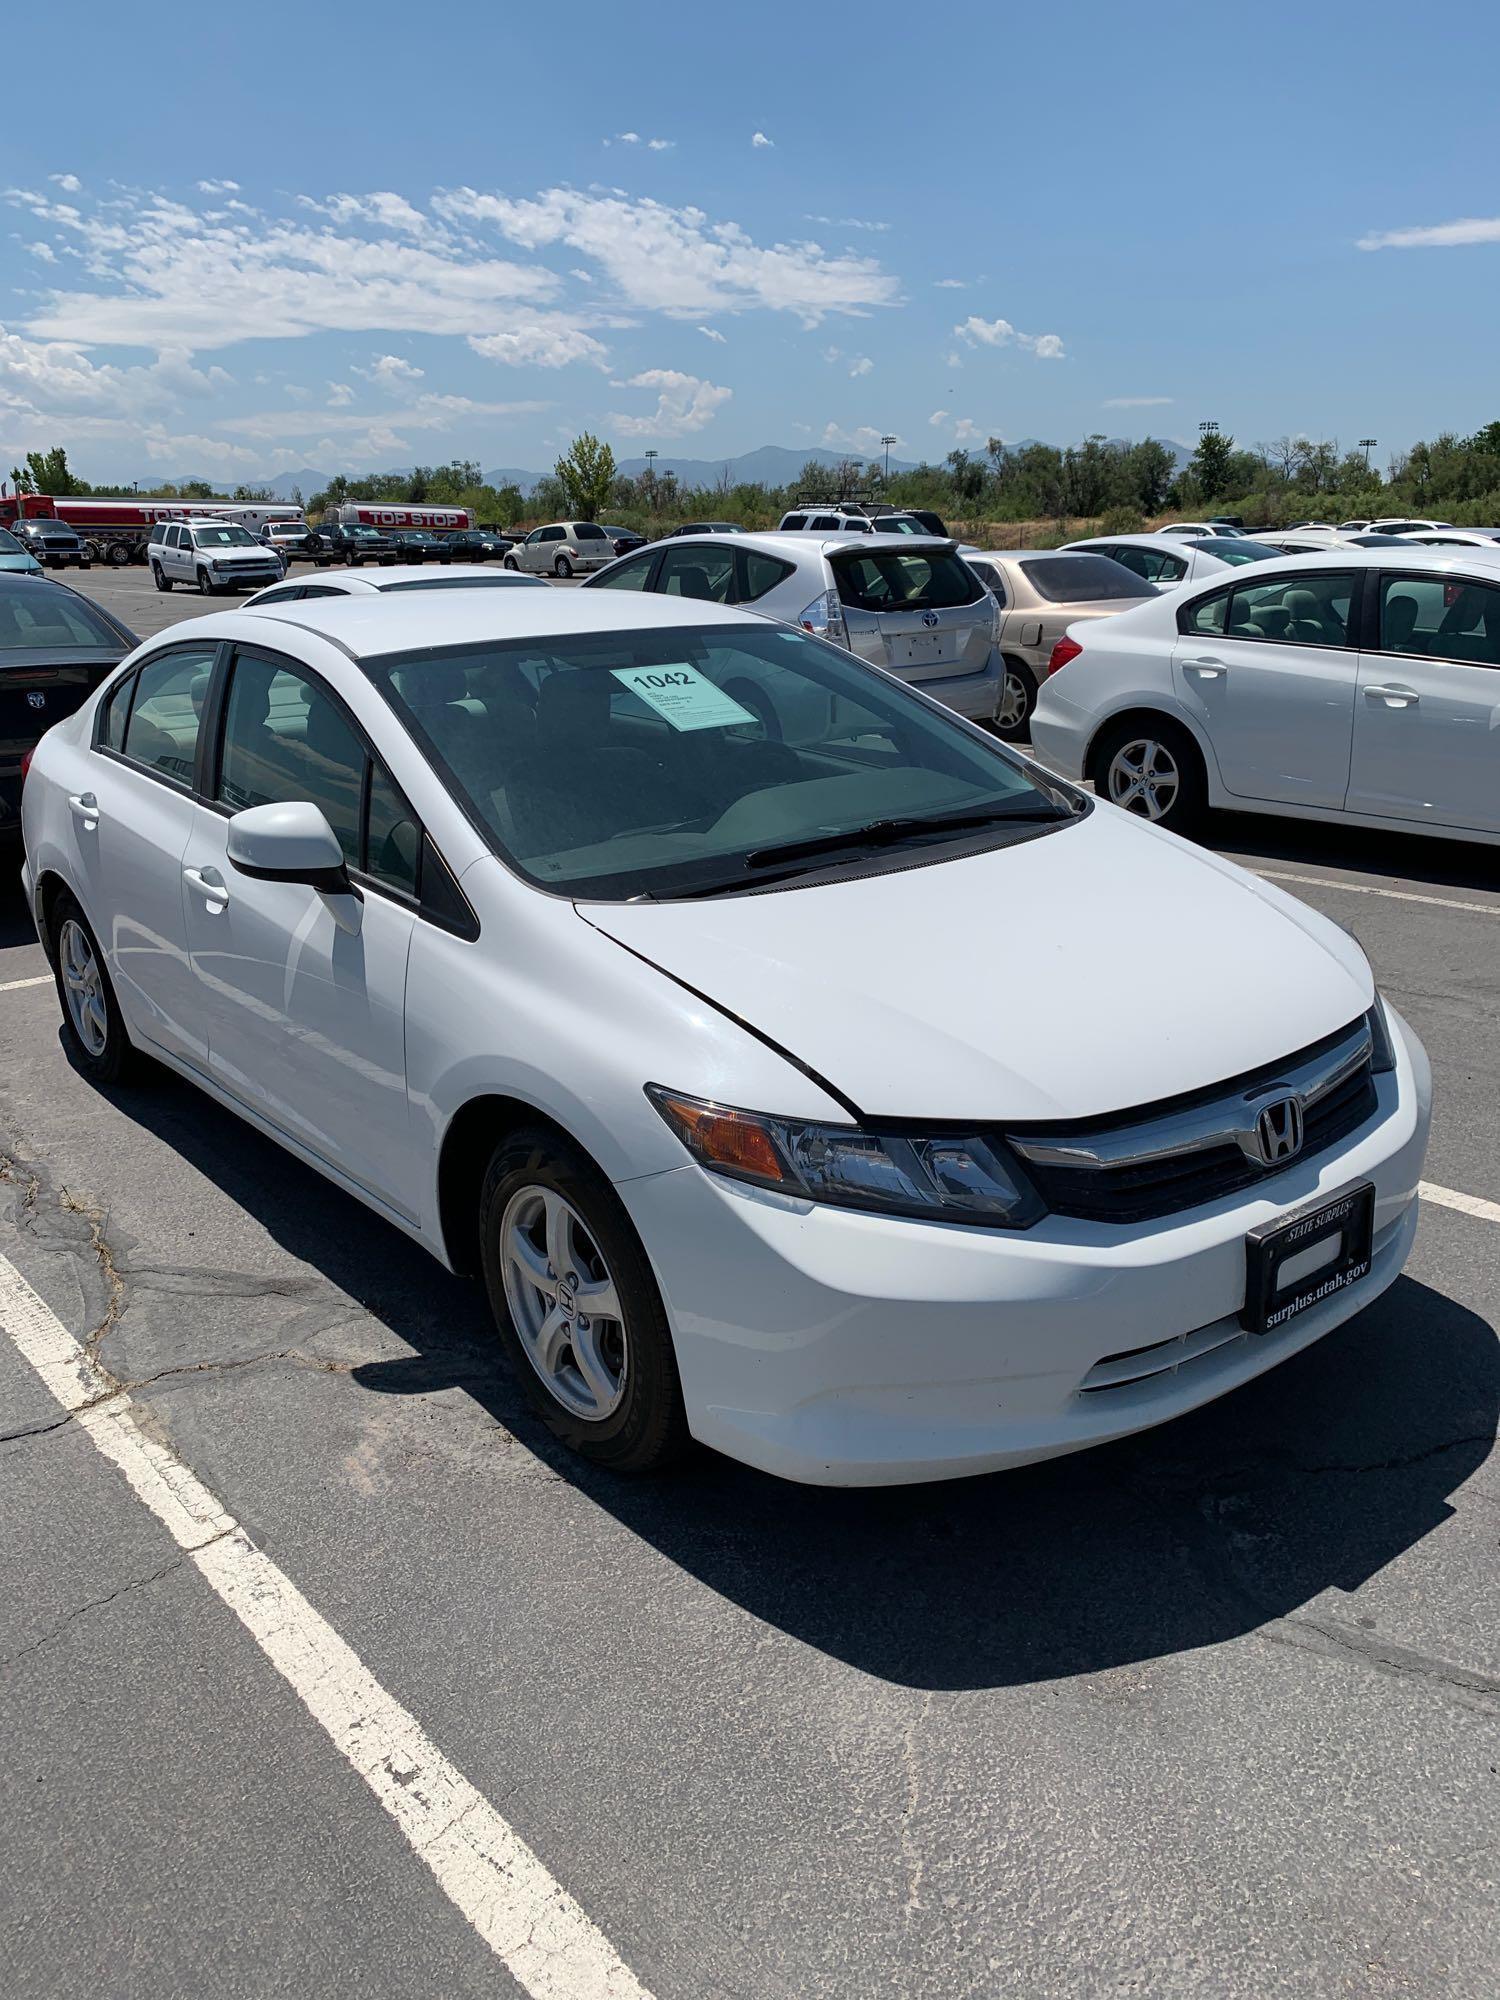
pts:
pixel 1427 720
pixel 1267 671
pixel 131 823
pixel 304 992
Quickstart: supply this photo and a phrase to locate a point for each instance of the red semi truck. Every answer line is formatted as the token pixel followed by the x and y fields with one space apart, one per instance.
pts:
pixel 389 514
pixel 115 530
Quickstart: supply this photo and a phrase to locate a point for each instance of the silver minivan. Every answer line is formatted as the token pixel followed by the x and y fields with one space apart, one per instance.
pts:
pixel 561 548
pixel 910 604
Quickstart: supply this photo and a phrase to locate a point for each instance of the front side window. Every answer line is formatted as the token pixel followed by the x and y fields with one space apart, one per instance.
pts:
pixel 1293 610
pixel 696 571
pixel 793 521
pixel 1079 579
pixel 626 576
pixel 688 761
pixel 892 580
pixel 162 732
pixel 291 595
pixel 1440 618
pixel 285 738
pixel 113 710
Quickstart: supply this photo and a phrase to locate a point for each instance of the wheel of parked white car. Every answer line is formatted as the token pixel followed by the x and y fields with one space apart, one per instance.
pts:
pixel 1151 768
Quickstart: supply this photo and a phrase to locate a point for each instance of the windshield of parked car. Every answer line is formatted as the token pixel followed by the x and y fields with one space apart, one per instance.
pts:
pixel 54 531
pixel 892 580
pixel 223 538
pixel 1240 550
pixel 1081 579
pixel 683 762
pixel 44 614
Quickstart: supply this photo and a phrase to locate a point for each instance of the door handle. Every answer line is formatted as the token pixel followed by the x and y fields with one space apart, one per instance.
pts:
pixel 1394 697
pixel 85 807
pixel 209 883
pixel 1208 670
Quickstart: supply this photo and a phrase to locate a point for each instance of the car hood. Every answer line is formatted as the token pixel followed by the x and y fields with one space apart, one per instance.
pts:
pixel 1105 965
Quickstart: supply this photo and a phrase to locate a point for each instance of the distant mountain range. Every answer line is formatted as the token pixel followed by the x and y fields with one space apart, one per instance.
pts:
pixel 770 465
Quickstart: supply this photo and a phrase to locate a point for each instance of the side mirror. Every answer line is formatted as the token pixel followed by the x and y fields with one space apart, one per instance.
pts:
pixel 289 843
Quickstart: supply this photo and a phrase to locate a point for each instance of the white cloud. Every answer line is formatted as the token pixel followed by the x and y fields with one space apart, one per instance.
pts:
pixel 583 277
pixel 940 419
pixel 549 342
pixel 953 360
pixel 676 260
pixel 712 333
pixel 865 438
pixel 1437 236
pixel 845 222
pixel 760 139
pixel 628 138
pixel 390 371
pixel 966 431
pixel 951 284
pixel 69 183
pixel 661 145
pixel 339 395
pixel 1000 333
pixel 431 412
pixel 684 403
pixel 1134 402
pixel 213 187
pixel 861 364
pixel 43 251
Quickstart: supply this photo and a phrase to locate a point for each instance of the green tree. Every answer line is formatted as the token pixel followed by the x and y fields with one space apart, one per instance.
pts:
pixel 1211 465
pixel 47 472
pixel 587 473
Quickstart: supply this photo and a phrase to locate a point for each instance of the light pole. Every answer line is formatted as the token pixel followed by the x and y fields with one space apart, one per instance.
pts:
pixel 1208 429
pixel 888 440
pixel 651 458
pixel 1367 445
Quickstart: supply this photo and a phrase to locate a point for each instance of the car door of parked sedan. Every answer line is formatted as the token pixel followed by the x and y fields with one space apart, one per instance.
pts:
pixel 132 818
pixel 304 992
pixel 1427 720
pixel 1267 671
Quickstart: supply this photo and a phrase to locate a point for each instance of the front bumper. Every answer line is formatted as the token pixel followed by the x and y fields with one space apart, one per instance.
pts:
pixel 845 1349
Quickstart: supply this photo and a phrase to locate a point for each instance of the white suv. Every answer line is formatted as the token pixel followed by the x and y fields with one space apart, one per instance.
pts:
pixel 214 555
pixel 910 605
pixel 561 548
pixel 840 520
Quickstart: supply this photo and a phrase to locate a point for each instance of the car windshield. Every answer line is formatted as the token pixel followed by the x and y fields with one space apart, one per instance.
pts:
pixel 693 760
pixel 222 538
pixel 45 615
pixel 1240 550
pixel 54 531
pixel 892 580
pixel 1081 579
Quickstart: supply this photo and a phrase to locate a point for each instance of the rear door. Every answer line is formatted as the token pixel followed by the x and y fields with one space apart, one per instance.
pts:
pixel 921 613
pixel 1268 670
pixel 1427 718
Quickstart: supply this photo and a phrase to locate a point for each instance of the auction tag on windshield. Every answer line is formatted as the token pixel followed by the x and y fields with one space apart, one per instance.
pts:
pixel 688 699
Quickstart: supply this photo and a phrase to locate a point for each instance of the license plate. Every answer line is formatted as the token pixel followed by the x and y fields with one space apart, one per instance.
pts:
pixel 925 649
pixel 1301 1259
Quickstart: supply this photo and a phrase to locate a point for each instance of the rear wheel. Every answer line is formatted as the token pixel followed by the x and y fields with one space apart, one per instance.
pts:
pixel 117 555
pixel 92 1024
pixel 1017 700
pixel 576 1306
pixel 562 567
pixel 1150 766
pixel 162 582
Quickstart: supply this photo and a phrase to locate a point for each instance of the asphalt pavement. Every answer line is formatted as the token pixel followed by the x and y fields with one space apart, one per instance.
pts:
pixel 1212 1712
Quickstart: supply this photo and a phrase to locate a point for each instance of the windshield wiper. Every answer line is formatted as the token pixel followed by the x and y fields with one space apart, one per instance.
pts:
pixel 886 832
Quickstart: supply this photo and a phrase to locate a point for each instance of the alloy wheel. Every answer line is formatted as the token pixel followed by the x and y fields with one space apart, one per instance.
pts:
pixel 1143 778
pixel 563 1303
pixel 83 987
pixel 1015 702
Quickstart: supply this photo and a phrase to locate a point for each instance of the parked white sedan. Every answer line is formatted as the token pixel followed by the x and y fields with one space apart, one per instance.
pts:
pixel 1165 563
pixel 398 578
pixel 1357 683
pixel 507 916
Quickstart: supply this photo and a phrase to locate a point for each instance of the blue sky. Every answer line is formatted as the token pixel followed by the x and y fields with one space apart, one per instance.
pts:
pixel 351 248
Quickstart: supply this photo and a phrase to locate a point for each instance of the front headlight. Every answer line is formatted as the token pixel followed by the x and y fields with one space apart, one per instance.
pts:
pixel 1382 1041
pixel 937 1176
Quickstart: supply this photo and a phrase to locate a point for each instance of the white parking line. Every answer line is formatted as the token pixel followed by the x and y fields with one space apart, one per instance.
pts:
pixel 15 985
pixel 1369 889
pixel 1466 1204
pixel 485 1869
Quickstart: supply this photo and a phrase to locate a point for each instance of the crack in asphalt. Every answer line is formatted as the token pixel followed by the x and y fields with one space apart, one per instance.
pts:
pixel 109 1597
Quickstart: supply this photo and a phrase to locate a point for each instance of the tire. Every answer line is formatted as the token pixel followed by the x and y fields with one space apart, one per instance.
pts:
pixel 1017 700
pixel 631 1378
pixel 1132 749
pixel 117 555
pixel 93 1027
pixel 205 584
pixel 510 563
pixel 562 567
pixel 161 581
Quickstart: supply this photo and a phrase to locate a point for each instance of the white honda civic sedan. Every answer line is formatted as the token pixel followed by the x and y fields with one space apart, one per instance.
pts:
pixel 1356 684
pixel 517 917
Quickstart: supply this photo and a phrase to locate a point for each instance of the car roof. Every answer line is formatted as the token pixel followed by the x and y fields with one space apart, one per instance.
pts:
pixel 351 584
pixel 797 541
pixel 1089 544
pixel 369 625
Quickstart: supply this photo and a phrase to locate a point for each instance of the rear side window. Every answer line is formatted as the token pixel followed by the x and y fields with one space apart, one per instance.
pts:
pixel 1440 618
pixel 1079 579
pixel 794 521
pixel 892 580
pixel 1155 565
pixel 762 573
pixel 291 595
pixel 992 580
pixel 1293 611
pixel 1205 616
pixel 162 732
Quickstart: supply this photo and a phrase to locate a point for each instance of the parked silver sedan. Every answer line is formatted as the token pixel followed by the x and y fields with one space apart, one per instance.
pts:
pixel 1041 592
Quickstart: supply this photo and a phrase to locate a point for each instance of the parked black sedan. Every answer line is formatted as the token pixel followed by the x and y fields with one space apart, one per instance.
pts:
pixel 624 539
pixel 53 543
pixel 55 648
pixel 416 545
pixel 477 544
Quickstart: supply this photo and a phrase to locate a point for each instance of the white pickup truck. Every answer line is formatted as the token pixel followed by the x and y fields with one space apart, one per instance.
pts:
pixel 213 555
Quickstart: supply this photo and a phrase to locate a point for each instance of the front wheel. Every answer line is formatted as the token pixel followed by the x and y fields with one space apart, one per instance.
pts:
pixel 1151 766
pixel 510 563
pixel 576 1305
pixel 562 567
pixel 1017 700
pixel 92 1024
pixel 205 583
pixel 162 582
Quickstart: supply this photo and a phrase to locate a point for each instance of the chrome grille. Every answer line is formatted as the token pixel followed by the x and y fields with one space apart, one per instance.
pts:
pixel 1195 1149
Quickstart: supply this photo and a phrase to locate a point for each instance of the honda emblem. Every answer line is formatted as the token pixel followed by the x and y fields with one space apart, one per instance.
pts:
pixel 1278 1131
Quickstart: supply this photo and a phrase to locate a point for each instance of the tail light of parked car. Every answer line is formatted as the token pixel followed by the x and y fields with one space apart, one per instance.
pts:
pixel 26 757
pixel 824 618
pixel 1066 649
